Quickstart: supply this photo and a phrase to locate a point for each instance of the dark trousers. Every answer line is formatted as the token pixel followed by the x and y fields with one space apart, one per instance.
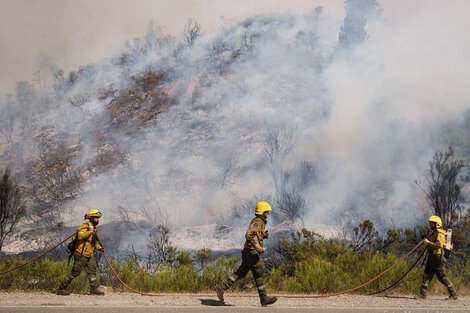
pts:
pixel 251 261
pixel 79 263
pixel 436 265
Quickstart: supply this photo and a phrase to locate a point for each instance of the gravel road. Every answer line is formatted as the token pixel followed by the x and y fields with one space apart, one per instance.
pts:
pixel 140 309
pixel 22 302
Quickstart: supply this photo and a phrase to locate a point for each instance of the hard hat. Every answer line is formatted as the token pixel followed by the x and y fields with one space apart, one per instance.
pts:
pixel 93 213
pixel 262 207
pixel 436 219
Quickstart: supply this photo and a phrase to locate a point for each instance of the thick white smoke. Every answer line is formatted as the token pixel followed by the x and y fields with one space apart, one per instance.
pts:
pixel 365 120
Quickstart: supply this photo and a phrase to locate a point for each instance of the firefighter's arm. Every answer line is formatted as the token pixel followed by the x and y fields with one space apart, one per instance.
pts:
pixel 252 236
pixel 84 232
pixel 439 244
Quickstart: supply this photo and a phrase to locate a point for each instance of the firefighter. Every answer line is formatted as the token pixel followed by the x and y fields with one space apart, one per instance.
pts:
pixel 251 256
pixel 83 255
pixel 436 263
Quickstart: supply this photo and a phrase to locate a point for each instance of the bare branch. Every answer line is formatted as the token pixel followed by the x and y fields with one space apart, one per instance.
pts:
pixel 192 31
pixel 444 185
pixel 11 207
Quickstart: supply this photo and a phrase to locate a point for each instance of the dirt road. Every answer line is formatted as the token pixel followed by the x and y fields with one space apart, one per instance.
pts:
pixel 120 302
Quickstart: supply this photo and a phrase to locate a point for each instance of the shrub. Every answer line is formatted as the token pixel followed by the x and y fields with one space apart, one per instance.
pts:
pixel 309 264
pixel 318 276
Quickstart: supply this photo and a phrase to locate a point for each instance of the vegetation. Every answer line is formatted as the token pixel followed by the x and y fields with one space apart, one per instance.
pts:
pixel 444 185
pixel 303 263
pixel 11 207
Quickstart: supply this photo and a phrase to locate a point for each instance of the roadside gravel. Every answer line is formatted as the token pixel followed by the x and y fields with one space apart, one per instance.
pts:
pixel 128 299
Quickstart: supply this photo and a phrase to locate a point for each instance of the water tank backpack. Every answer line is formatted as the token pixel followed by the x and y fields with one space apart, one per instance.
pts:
pixel 449 245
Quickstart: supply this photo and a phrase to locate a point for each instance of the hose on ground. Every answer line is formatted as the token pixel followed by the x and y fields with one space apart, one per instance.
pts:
pixel 401 259
pixel 396 282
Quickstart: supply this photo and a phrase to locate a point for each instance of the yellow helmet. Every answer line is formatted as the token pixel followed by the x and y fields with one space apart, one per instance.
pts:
pixel 93 213
pixel 436 219
pixel 262 207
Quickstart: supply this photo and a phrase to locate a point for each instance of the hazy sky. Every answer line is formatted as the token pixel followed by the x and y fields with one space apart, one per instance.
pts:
pixel 78 32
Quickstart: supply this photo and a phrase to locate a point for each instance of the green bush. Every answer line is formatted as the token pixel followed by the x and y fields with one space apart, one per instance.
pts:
pixel 218 271
pixel 312 266
pixel 41 275
pixel 318 276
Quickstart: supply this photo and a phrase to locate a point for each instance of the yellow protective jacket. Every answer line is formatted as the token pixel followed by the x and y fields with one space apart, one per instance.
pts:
pixel 437 241
pixel 255 234
pixel 87 242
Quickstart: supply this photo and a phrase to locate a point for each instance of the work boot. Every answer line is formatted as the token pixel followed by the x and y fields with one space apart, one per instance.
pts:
pixel 453 297
pixel 420 297
pixel 96 292
pixel 63 292
pixel 219 290
pixel 265 300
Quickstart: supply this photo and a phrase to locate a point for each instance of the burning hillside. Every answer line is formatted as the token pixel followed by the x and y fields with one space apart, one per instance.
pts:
pixel 326 119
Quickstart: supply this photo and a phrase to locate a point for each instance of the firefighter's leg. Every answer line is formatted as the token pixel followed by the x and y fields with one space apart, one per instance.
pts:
pixel 257 268
pixel 91 271
pixel 441 274
pixel 428 274
pixel 78 264
pixel 239 273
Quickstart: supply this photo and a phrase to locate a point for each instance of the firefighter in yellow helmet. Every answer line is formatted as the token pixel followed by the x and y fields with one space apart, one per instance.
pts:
pixel 436 263
pixel 251 260
pixel 86 243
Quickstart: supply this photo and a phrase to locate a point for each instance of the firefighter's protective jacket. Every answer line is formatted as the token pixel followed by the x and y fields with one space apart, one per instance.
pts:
pixel 87 240
pixel 437 241
pixel 256 233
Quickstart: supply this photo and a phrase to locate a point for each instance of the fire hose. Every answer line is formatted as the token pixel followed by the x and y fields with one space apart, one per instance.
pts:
pixel 284 296
pixel 396 282
pixel 401 259
pixel 36 257
pixel 362 285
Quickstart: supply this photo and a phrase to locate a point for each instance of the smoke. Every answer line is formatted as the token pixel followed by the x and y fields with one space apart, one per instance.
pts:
pixel 354 129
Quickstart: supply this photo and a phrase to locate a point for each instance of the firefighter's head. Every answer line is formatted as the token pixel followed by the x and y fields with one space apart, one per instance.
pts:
pixel 93 216
pixel 435 222
pixel 262 208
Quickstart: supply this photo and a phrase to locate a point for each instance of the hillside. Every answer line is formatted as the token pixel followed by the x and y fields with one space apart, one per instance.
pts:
pixel 325 119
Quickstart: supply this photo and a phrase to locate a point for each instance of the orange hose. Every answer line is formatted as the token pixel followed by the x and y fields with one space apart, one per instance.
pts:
pixel 36 257
pixel 252 295
pixel 362 285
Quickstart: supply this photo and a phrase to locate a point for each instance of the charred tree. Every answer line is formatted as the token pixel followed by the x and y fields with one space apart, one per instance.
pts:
pixel 443 187
pixel 11 207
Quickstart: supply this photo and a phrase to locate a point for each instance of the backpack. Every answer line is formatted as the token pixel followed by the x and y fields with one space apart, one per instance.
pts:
pixel 449 246
pixel 71 246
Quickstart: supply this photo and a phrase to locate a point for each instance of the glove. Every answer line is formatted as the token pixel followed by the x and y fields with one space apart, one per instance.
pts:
pixel 261 251
pixel 426 241
pixel 266 234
